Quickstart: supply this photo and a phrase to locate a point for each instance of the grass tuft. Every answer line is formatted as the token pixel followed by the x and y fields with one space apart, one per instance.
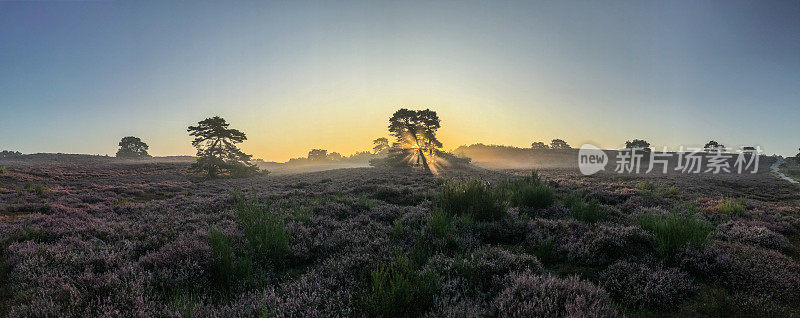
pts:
pixel 529 191
pixel 674 231
pixel 589 212
pixel 472 198
pixel 731 206
pixel 225 269
pixel 397 290
pixel 265 232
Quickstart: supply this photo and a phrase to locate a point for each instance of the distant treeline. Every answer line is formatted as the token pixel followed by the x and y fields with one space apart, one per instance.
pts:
pixel 498 155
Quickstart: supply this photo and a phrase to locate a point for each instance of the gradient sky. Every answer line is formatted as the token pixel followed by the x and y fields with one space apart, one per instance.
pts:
pixel 76 77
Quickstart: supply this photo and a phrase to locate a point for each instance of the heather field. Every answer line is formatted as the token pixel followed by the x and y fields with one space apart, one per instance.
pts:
pixel 97 236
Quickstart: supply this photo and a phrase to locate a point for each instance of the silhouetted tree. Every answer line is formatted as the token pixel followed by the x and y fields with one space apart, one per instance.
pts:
pixel 217 151
pixel 539 145
pixel 381 144
pixel 317 155
pixel 713 146
pixel 637 144
pixel 9 154
pixel 132 147
pixel 415 130
pixel 335 156
pixel 559 144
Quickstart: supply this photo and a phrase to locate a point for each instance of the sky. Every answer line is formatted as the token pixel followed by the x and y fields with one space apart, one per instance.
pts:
pixel 77 76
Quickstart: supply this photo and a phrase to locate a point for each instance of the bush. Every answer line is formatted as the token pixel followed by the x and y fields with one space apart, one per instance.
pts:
pixel 529 192
pixel 746 269
pixel 731 206
pixel 3 170
pixel 485 267
pixel 471 198
pixel 673 231
pixel 607 243
pixel 589 212
pixel 265 232
pixel 640 286
pixel 530 295
pixel 440 223
pixel 225 270
pixel 397 290
pixel 734 231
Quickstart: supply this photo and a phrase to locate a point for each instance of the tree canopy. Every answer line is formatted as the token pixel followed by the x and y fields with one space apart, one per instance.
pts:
pixel 132 147
pixel 381 144
pixel 713 146
pixel 415 129
pixel 559 144
pixel 9 154
pixel 217 150
pixel 637 144
pixel 539 145
pixel 317 155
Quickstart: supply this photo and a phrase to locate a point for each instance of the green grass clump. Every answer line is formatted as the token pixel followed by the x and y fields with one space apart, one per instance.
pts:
pixel 731 206
pixel 3 170
pixel 397 290
pixel 440 223
pixel 545 251
pixel 265 232
pixel 589 212
pixel 471 198
pixel 672 190
pixel 650 190
pixel 225 269
pixel 529 191
pixel 674 231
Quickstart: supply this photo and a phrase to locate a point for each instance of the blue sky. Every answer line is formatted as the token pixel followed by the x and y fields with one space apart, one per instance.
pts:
pixel 78 76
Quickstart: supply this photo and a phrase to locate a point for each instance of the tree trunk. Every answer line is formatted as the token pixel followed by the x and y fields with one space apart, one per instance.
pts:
pixel 424 160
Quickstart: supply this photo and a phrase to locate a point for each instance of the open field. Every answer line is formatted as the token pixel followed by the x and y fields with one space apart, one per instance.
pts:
pixel 94 236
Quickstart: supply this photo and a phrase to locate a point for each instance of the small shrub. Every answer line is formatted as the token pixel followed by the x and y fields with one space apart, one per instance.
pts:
pixel 470 197
pixel 265 232
pixel 529 192
pixel 397 229
pixel 589 212
pixel 731 206
pixel 529 295
pixel 397 290
pixel 486 267
pixel 746 269
pixel 225 270
pixel 736 231
pixel 674 231
pixel 672 190
pixel 646 186
pixel 640 286
pixel 39 189
pixel 606 243
pixel 440 223
pixel 3 170
pixel 546 251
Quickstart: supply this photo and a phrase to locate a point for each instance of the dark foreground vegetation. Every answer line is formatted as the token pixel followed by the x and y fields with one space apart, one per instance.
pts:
pixel 121 238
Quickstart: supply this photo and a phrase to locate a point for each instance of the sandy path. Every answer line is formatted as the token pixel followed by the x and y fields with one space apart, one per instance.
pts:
pixel 774 169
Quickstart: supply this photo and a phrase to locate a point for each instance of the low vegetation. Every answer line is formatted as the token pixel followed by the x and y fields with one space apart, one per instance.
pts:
pixel 731 206
pixel 674 231
pixel 390 242
pixel 471 198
